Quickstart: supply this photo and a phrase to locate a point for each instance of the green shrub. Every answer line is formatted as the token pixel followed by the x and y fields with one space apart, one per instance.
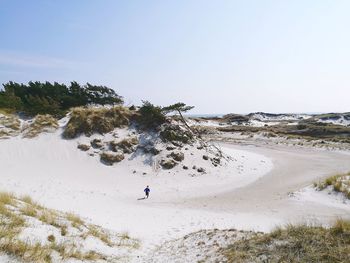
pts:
pixel 151 117
pixel 174 133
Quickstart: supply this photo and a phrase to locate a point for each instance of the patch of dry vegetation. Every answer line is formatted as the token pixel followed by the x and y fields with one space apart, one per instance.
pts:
pixel 127 145
pixel 75 220
pixel 100 234
pixel 41 123
pixel 339 183
pixel 49 217
pixel 302 243
pixel 109 158
pixel 69 250
pixel 28 200
pixel 9 125
pixel 96 120
pixel 307 129
pixel 29 210
pixel 83 147
pixel 14 213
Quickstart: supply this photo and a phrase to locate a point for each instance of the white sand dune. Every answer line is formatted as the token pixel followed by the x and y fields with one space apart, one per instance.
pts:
pixel 58 175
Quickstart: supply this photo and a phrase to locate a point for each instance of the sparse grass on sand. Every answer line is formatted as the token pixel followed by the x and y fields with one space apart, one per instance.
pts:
pixel 9 125
pixel 339 183
pixel 96 120
pixel 76 221
pixel 41 123
pixel 102 235
pixel 49 217
pixel 301 243
pixel 14 215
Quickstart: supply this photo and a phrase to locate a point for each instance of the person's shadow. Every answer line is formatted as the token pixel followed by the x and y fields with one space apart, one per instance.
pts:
pixel 143 198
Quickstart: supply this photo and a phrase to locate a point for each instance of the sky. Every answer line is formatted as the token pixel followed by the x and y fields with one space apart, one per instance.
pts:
pixel 221 56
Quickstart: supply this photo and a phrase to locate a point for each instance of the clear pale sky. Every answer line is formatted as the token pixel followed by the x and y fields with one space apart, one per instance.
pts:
pixel 221 56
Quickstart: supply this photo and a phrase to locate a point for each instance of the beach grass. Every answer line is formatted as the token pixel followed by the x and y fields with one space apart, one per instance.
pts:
pixel 295 243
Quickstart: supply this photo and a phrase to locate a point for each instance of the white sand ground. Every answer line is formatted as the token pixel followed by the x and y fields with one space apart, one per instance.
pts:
pixel 272 195
pixel 58 175
pixel 253 194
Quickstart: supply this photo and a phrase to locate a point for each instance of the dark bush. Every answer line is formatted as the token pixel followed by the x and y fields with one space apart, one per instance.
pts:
pixel 47 98
pixel 151 117
pixel 174 133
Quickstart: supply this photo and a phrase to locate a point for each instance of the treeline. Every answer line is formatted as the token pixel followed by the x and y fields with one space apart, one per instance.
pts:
pixel 47 98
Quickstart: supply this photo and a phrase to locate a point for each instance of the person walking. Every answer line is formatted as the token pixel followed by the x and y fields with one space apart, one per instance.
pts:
pixel 147 191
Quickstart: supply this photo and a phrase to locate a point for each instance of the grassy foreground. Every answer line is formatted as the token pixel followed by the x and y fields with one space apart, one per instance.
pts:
pixel 302 243
pixel 22 222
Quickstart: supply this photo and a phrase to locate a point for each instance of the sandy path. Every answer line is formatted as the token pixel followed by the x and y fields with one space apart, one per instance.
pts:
pixel 294 169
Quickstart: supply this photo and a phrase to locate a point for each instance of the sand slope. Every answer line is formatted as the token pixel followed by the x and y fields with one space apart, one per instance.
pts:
pixel 58 175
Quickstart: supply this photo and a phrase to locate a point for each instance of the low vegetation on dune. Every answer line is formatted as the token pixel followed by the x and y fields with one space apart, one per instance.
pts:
pixel 302 243
pixel 10 125
pixel 149 131
pixel 126 145
pixel 23 222
pixel 96 120
pixel 338 183
pixel 175 133
pixel 40 124
pixel 308 130
pixel 109 158
pixel 333 116
pixel 293 243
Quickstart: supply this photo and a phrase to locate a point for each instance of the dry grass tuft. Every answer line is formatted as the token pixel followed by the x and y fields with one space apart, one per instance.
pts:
pixel 9 125
pixel 29 210
pixel 109 158
pixel 7 198
pixel 41 123
pixel 69 250
pixel 25 251
pixel 49 217
pixel 96 120
pixel 300 243
pixel 340 183
pixel 29 201
pixel 125 236
pixel 76 221
pixel 100 234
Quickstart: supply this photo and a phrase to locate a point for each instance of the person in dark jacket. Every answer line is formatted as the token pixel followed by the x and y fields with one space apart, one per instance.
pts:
pixel 147 191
